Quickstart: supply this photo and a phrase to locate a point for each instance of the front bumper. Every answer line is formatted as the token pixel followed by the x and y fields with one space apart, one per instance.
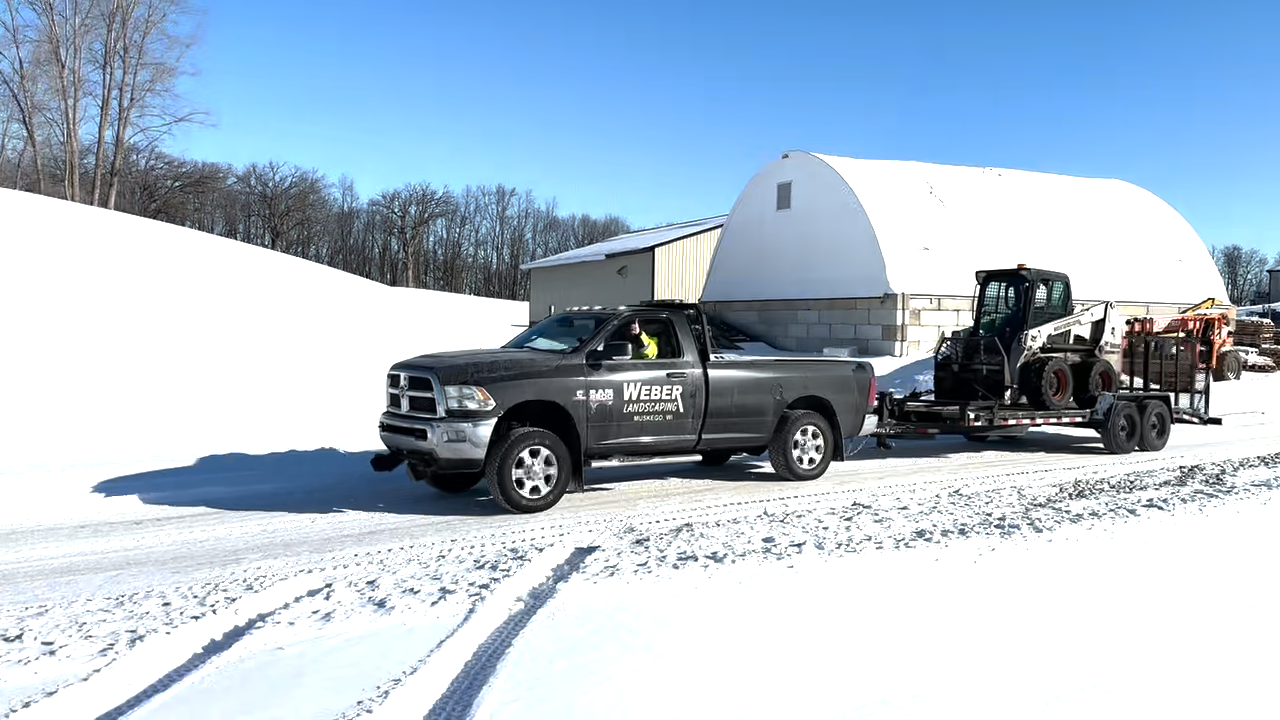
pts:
pixel 445 444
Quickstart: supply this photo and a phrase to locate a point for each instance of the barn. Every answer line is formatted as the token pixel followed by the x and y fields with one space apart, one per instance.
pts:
pixel 878 255
pixel 661 263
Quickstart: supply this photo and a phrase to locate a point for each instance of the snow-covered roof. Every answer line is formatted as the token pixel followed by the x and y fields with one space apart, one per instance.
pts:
pixel 865 228
pixel 634 242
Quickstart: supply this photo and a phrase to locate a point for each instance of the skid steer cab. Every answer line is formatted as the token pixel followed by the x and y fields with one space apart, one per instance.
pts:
pixel 1029 345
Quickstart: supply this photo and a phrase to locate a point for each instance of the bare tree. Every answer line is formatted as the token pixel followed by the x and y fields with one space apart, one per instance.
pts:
pixel 19 81
pixel 152 49
pixel 1243 271
pixel 284 205
pixel 409 212
pixel 64 27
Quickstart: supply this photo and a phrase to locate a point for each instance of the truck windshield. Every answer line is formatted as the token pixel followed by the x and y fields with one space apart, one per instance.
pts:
pixel 562 333
pixel 1000 304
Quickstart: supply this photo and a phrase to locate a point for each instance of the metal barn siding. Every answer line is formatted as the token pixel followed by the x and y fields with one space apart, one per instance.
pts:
pixel 612 281
pixel 680 268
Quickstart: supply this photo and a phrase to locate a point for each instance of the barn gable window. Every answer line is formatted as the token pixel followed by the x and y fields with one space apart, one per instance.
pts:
pixel 784 195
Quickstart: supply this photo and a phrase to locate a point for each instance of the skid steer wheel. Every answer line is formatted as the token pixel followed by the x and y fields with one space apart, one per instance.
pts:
pixel 715 458
pixel 802 446
pixel 1123 428
pixel 529 470
pixel 1156 422
pixel 1092 378
pixel 1047 383
pixel 455 482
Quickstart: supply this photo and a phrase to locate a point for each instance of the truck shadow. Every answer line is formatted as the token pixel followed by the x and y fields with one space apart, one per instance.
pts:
pixel 332 481
pixel 297 481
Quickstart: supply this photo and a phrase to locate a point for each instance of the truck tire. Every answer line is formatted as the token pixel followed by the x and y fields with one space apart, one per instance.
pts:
pixel 801 448
pixel 529 470
pixel 452 483
pixel 1047 383
pixel 1092 378
pixel 716 458
pixel 1156 422
pixel 1122 429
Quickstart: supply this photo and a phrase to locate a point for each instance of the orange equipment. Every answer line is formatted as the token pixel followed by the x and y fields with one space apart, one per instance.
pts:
pixel 1211 321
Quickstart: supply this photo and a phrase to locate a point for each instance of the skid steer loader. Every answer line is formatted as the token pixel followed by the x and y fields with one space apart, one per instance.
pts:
pixel 1028 345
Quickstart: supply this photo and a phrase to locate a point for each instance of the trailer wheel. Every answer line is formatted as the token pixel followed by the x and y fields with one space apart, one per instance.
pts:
pixel 801 448
pixel 1093 377
pixel 1156 422
pixel 1047 383
pixel 1122 429
pixel 529 470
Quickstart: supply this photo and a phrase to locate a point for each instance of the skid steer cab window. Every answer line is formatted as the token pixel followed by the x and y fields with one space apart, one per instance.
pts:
pixel 1051 302
pixel 1000 304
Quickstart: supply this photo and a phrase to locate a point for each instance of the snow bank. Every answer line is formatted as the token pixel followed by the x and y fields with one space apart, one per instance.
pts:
pixel 131 344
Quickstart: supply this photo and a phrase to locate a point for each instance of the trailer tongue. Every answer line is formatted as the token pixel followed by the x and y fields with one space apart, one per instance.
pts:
pixel 1029 361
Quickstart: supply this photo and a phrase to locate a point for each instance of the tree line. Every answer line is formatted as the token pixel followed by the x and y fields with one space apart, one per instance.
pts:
pixel 1244 272
pixel 89 95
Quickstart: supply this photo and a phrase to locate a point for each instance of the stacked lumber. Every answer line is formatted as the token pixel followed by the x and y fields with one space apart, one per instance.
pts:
pixel 1254 332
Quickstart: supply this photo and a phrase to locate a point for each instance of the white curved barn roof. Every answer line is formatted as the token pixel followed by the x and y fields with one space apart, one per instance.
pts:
pixel 864 228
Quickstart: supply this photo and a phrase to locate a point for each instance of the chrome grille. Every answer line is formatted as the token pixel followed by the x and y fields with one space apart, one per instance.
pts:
pixel 414 394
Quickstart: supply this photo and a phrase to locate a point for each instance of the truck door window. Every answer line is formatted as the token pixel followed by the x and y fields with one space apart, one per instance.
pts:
pixel 660 329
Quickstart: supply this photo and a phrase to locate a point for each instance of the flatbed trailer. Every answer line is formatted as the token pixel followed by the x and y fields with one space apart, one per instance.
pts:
pixel 1138 415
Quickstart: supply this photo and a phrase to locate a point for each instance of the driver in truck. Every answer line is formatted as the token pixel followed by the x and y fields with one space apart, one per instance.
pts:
pixel 643 347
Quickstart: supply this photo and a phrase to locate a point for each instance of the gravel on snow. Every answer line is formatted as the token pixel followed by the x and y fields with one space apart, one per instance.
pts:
pixel 92 632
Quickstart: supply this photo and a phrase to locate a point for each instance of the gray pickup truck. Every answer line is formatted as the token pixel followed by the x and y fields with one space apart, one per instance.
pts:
pixel 529 417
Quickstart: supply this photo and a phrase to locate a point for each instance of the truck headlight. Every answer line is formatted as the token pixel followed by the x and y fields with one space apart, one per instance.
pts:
pixel 468 397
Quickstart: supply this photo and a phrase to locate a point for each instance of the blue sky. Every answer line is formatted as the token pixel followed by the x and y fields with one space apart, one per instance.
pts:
pixel 661 111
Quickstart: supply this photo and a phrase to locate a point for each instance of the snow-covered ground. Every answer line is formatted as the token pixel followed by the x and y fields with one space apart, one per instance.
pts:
pixel 160 562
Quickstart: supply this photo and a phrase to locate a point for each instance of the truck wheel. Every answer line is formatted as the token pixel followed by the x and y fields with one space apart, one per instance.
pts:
pixel 715 458
pixel 529 470
pixel 1122 429
pixel 1047 383
pixel 455 482
pixel 1156 423
pixel 1092 378
pixel 801 447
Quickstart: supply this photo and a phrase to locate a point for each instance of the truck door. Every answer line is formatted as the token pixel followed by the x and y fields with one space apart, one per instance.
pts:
pixel 646 405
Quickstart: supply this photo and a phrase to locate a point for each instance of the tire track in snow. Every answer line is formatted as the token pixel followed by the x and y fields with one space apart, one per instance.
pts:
pixel 479 644
pixel 114 692
pixel 460 697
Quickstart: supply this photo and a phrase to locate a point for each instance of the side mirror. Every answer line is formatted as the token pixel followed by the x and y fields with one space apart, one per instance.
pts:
pixel 619 350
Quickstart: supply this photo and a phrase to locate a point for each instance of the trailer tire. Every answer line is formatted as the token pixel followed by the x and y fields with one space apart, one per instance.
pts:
pixel 1157 422
pixel 1093 377
pixel 1048 383
pixel 517 450
pixel 797 431
pixel 1123 428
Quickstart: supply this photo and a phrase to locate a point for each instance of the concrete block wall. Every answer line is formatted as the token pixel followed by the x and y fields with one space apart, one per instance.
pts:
pixel 889 325
pixel 872 326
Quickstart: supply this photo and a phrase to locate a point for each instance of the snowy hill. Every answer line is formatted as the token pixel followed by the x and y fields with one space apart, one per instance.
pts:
pixel 131 343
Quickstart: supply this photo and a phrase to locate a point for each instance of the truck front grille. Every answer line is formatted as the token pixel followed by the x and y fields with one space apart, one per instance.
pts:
pixel 413 394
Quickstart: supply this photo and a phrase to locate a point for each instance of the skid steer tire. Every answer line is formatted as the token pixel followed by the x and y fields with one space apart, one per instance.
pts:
pixel 1093 377
pixel 1047 383
pixel 1123 428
